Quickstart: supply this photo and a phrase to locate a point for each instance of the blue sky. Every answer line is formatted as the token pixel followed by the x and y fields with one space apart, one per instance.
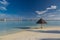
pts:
pixel 49 9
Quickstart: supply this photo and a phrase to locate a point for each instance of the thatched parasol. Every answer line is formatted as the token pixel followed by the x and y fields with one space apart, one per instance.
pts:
pixel 41 21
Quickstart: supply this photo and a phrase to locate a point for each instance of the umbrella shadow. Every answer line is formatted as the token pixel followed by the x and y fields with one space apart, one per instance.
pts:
pixel 22 27
pixel 50 39
pixel 46 31
pixel 51 31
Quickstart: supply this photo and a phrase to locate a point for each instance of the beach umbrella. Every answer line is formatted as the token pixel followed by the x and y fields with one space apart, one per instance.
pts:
pixel 41 21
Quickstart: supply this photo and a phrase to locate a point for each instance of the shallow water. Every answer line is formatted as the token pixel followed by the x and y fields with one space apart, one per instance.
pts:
pixel 14 26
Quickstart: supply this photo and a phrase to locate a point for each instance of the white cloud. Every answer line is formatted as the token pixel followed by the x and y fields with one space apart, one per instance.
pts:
pixel 40 12
pixel 51 15
pixel 3 5
pixel 2 14
pixel 4 2
pixel 9 16
pixel 54 15
pixel 3 8
pixel 54 18
pixel 52 7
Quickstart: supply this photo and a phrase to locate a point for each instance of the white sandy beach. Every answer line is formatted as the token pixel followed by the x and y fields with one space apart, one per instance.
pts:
pixel 52 33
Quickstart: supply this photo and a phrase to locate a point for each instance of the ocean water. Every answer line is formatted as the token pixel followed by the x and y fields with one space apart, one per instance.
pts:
pixel 9 27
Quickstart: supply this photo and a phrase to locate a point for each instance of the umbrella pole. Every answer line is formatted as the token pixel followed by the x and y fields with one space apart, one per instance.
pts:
pixel 41 26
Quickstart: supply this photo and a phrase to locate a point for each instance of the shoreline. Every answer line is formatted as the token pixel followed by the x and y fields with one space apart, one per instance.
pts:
pixel 34 34
pixel 34 28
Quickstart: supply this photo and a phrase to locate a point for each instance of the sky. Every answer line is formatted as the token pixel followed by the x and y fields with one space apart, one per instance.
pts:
pixel 48 9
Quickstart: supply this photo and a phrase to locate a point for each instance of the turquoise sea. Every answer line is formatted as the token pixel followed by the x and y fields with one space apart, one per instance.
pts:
pixel 9 27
